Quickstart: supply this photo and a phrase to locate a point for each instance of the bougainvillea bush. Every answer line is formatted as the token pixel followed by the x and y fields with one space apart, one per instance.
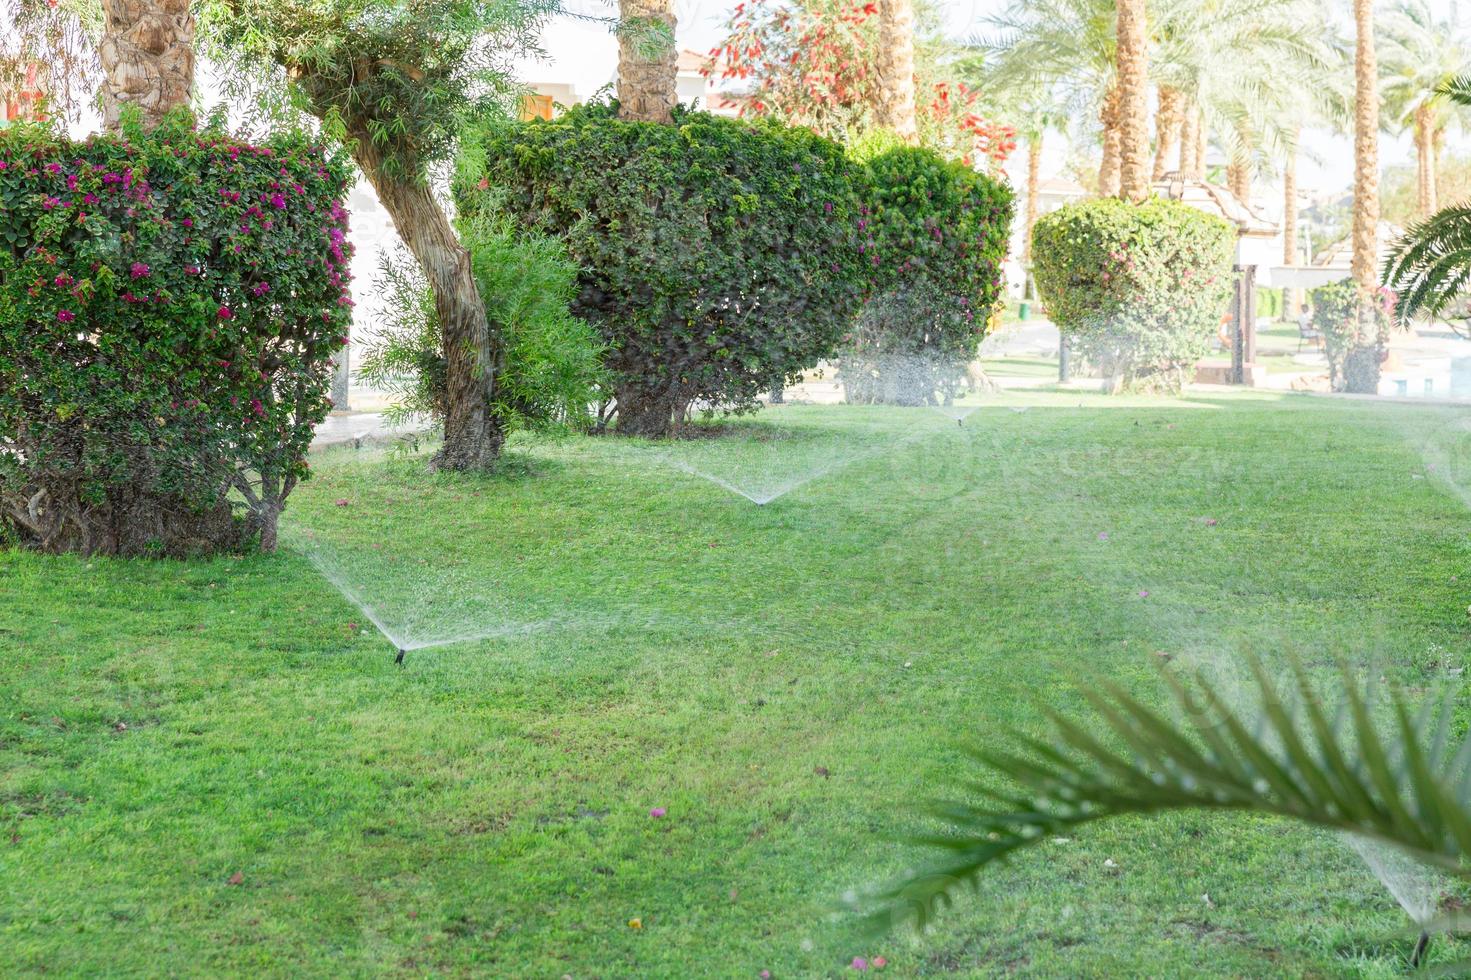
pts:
pixel 169 306
pixel 718 257
pixel 934 233
pixel 1138 289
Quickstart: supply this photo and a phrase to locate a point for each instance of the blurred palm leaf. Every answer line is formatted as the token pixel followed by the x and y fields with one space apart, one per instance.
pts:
pixel 1378 769
pixel 1430 266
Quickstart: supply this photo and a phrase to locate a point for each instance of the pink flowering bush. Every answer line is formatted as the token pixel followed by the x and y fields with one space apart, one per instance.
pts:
pixel 1138 289
pixel 170 303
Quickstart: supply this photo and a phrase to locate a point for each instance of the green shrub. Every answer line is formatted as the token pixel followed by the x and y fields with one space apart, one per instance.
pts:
pixel 169 306
pixel 1354 328
pixel 935 234
pixel 718 257
pixel 1137 289
pixel 552 373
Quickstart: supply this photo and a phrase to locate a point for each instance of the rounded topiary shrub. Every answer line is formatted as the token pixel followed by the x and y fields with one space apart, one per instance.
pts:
pixel 169 306
pixel 719 257
pixel 1137 289
pixel 934 236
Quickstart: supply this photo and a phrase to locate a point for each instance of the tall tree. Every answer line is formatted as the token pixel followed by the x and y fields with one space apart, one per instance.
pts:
pixel 896 103
pixel 1419 54
pixel 395 84
pixel 52 45
pixel 147 55
pixel 1064 48
pixel 1366 149
pixel 1169 122
pixel 646 61
pixel 1133 100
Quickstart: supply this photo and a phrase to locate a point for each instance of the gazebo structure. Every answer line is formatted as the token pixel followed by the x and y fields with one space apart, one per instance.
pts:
pixel 1258 245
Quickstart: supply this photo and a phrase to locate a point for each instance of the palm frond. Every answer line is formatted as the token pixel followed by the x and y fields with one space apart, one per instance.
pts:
pixel 1429 267
pixel 1393 775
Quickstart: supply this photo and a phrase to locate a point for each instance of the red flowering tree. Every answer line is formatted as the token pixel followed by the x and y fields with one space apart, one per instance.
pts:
pixel 812 63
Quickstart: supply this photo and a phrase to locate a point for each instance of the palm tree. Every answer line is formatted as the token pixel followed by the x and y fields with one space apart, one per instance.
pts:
pixel 646 61
pixel 147 55
pixel 1419 55
pixel 1396 775
pixel 1366 149
pixel 1239 69
pixel 1064 48
pixel 1429 269
pixel 1132 55
pixel 895 63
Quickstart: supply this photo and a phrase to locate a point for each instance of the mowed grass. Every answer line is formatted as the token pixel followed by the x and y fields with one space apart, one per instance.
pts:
pixel 215 767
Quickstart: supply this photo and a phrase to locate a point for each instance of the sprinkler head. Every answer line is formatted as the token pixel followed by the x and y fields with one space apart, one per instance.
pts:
pixel 400 658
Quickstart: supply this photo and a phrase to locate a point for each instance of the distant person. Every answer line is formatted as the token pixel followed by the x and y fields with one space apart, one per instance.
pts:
pixel 1306 332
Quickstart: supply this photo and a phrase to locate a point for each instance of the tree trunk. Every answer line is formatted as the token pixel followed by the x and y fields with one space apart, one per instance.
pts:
pixel 646 61
pixel 1289 221
pixel 473 436
pixel 1168 122
pixel 650 414
pixel 1369 336
pixel 1108 169
pixel 1424 163
pixel 1190 142
pixel 895 110
pixel 1034 180
pixel 147 55
pixel 1366 149
pixel 1133 110
pixel 1202 146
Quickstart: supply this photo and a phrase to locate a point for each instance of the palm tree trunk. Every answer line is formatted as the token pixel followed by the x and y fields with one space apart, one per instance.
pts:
pixel 895 109
pixel 1366 149
pixel 1190 142
pixel 1133 86
pixel 1034 179
pixel 1202 145
pixel 473 436
pixel 1108 169
pixel 1360 369
pixel 1168 123
pixel 147 55
pixel 646 61
pixel 1423 150
pixel 1289 220
pixel 1437 143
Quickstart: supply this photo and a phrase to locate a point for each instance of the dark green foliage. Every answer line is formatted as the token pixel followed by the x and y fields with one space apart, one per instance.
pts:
pixel 169 304
pixel 935 234
pixel 1138 289
pixel 1429 268
pixel 718 257
pixel 403 76
pixel 552 372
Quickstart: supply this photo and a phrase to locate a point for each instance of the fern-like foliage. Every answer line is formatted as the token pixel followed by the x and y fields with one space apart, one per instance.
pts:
pixel 1390 773
pixel 1429 268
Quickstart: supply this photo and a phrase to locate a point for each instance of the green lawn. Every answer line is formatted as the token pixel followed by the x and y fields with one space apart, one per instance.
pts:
pixel 215 767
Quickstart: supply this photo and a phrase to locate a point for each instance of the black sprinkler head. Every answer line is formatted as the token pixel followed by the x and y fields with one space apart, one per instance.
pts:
pixel 400 658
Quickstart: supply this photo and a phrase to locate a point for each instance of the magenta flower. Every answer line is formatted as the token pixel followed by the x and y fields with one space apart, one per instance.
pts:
pixel 278 202
pixel 224 313
pixel 65 316
pixel 257 407
pixel 1144 593
pixel 138 270
pixel 1102 535
pixel 859 963
pixel 260 288
pixel 657 812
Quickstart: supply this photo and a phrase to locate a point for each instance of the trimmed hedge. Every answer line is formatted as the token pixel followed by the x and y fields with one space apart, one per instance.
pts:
pixel 719 257
pixel 935 234
pixel 169 306
pixel 1138 289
